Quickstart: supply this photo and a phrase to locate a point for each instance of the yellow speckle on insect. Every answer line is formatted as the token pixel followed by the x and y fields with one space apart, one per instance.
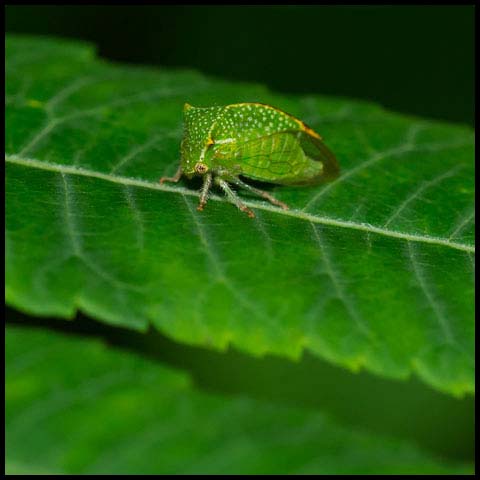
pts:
pixel 308 130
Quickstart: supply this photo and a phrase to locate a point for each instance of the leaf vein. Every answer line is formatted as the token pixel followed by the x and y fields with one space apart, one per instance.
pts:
pixel 137 216
pixel 393 152
pixel 424 186
pixel 337 283
pixel 298 214
pixel 429 295
pixel 221 277
pixel 462 224
pixel 78 252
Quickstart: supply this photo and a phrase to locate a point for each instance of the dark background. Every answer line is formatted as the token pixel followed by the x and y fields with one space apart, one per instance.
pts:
pixel 414 59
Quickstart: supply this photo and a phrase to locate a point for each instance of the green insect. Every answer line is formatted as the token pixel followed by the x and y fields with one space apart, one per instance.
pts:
pixel 254 141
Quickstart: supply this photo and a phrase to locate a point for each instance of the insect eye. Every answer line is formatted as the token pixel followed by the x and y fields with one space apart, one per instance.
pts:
pixel 201 168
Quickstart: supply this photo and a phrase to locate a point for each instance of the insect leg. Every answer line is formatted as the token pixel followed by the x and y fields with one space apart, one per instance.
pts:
pixel 232 196
pixel 259 192
pixel 207 183
pixel 175 178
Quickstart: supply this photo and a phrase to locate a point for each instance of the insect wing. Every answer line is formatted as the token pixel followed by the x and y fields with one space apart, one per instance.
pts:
pixel 289 157
pixel 316 150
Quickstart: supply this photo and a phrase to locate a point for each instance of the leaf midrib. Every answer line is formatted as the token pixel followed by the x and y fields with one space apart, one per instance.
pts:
pixel 300 215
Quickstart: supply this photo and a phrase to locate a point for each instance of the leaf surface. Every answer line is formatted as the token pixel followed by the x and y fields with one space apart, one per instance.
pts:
pixel 118 413
pixel 373 270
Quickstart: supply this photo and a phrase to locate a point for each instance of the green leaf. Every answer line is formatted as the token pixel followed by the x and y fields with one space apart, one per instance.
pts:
pixel 115 412
pixel 373 270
